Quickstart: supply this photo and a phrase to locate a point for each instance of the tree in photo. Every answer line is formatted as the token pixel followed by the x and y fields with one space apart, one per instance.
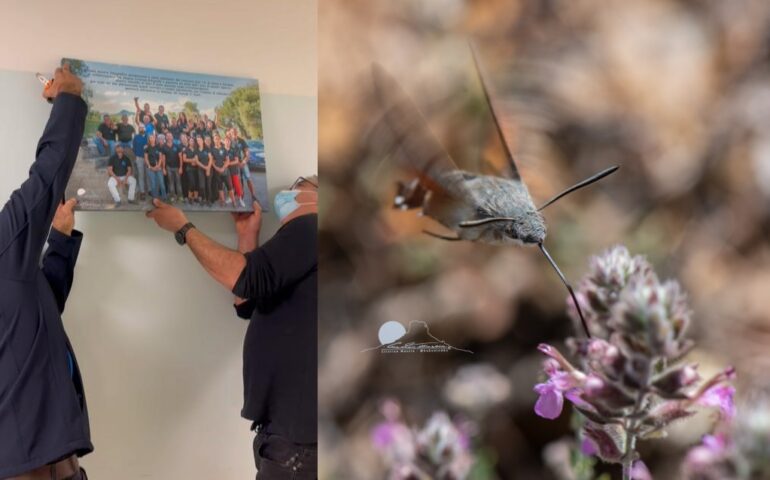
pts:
pixel 190 109
pixel 243 108
pixel 81 69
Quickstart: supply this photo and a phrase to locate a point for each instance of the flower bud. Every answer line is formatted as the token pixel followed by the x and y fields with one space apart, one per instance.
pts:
pixel 672 383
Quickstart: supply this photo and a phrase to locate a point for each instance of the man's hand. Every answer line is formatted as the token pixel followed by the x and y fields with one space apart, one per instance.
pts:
pixel 64 219
pixel 247 226
pixel 64 81
pixel 167 217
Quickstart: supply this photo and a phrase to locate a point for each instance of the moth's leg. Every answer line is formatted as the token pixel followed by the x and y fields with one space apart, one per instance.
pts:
pixel 442 237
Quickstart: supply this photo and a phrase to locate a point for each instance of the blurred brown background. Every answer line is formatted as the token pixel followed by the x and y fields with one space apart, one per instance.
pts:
pixel 676 92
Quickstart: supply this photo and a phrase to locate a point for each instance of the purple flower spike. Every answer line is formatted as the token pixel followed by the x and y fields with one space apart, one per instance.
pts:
pixel 721 397
pixel 551 400
pixel 629 380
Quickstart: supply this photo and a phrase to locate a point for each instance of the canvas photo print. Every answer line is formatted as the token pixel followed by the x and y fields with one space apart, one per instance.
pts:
pixel 189 139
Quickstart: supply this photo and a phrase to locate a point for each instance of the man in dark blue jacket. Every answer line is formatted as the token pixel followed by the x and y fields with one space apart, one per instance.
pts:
pixel 43 418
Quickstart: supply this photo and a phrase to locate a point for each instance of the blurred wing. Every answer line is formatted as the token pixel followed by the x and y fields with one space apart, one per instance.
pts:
pixel 415 146
pixel 507 167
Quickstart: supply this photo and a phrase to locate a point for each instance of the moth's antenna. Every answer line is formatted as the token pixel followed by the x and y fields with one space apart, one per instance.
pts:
pixel 569 288
pixel 584 183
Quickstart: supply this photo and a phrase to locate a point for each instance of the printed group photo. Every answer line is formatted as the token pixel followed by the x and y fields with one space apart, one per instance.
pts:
pixel 188 139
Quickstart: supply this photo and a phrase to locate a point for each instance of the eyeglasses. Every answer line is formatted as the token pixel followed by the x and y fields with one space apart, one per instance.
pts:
pixel 300 180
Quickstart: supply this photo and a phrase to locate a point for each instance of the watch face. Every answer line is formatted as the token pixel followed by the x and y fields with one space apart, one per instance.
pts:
pixel 179 237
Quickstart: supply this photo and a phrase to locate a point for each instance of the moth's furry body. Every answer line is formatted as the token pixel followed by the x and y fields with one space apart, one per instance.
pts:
pixel 467 196
pixel 482 208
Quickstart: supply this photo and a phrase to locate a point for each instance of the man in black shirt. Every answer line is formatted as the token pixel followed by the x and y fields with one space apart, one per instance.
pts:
pixel 276 286
pixel 120 172
pixel 153 161
pixel 106 133
pixel 176 130
pixel 125 132
pixel 173 169
pixel 161 119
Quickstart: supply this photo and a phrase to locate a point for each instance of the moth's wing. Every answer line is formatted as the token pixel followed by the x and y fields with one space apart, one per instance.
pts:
pixel 413 144
pixel 500 165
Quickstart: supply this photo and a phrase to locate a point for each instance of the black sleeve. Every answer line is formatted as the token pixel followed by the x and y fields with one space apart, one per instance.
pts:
pixel 26 217
pixel 59 263
pixel 245 309
pixel 282 261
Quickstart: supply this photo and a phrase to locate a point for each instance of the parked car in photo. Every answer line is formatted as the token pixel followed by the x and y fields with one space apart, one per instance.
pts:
pixel 256 154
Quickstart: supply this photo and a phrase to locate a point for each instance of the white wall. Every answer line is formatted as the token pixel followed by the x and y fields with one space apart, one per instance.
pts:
pixel 158 343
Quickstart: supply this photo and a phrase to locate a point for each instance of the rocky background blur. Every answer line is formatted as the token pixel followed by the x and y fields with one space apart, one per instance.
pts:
pixel 676 92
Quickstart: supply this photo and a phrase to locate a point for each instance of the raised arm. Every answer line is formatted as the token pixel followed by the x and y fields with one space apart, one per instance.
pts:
pixel 62 254
pixel 26 217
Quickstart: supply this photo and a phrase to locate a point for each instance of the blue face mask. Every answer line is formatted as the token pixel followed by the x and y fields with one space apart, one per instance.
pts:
pixel 285 203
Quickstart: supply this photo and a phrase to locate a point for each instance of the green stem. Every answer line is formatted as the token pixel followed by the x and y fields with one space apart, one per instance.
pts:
pixel 628 458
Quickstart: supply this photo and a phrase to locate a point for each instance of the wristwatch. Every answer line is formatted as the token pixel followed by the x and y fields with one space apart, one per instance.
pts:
pixel 181 235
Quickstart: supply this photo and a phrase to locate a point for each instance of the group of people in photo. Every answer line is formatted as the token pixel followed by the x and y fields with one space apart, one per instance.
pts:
pixel 177 160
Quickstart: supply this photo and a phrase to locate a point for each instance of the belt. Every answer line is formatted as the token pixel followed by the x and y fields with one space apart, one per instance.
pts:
pixel 61 470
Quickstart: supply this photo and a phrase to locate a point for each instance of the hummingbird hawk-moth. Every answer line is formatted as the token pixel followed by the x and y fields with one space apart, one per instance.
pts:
pixel 494 209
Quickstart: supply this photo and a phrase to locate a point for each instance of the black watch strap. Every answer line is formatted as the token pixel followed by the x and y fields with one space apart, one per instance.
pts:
pixel 181 235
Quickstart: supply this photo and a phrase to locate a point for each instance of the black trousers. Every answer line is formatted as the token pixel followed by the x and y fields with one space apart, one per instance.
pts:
pixel 190 180
pixel 205 185
pixel 278 458
pixel 223 180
